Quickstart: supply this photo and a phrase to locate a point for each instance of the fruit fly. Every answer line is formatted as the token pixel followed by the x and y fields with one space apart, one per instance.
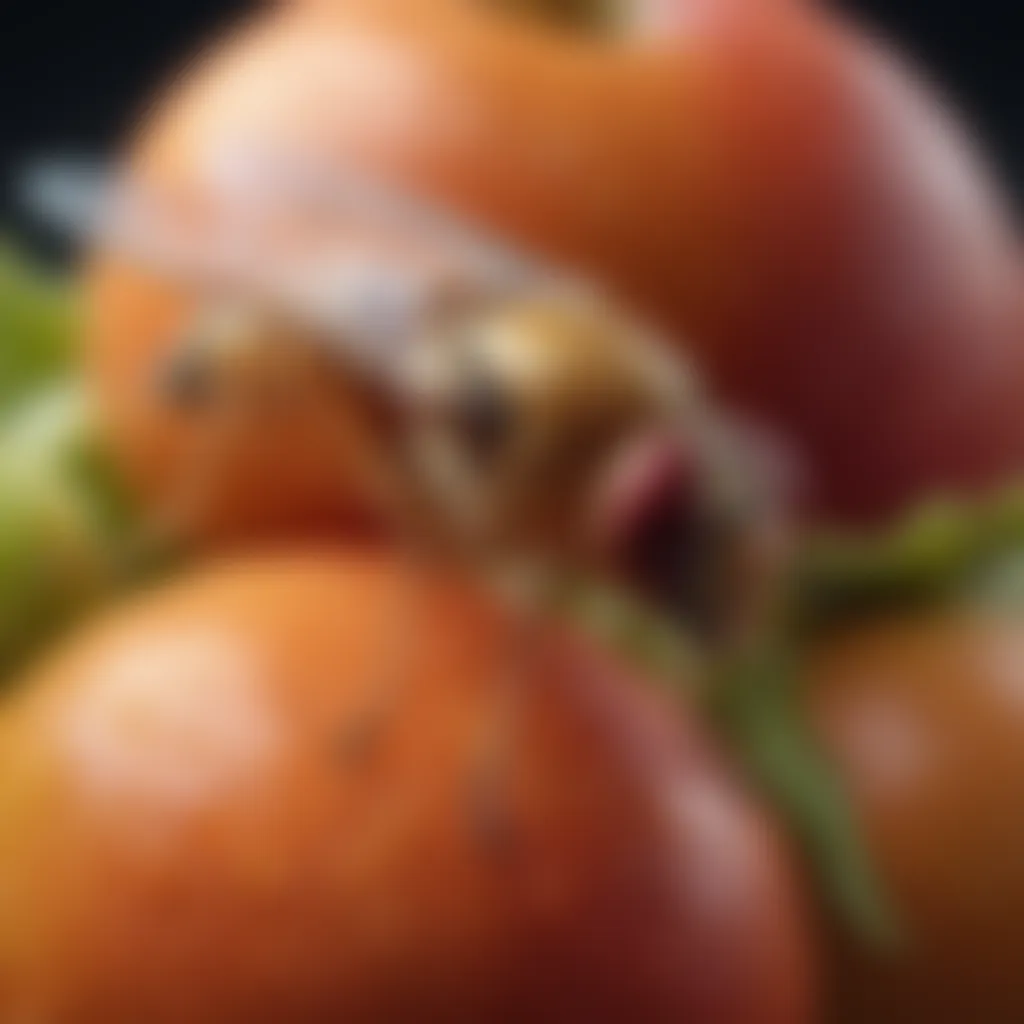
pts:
pixel 514 419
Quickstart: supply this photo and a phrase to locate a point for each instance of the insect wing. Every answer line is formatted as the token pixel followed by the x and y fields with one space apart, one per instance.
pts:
pixel 117 212
pixel 368 207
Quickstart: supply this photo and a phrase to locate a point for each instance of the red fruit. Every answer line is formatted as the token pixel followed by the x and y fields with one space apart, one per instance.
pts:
pixel 768 184
pixel 183 840
pixel 925 718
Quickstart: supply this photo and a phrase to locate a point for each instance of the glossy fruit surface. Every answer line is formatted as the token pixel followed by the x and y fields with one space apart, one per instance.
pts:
pixel 771 186
pixel 185 838
pixel 925 717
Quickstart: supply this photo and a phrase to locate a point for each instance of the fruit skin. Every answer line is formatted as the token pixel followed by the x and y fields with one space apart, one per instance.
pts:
pixel 767 183
pixel 925 718
pixel 182 840
pixel 264 473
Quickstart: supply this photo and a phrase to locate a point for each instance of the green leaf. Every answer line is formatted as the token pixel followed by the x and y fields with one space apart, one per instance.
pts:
pixel 55 546
pixel 38 328
pixel 756 708
pixel 938 552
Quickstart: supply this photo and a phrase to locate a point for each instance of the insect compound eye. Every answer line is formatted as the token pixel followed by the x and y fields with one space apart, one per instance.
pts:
pixel 187 381
pixel 481 415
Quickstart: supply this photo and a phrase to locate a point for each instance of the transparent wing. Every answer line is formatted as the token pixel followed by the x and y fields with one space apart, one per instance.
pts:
pixel 85 202
pixel 303 184
pixel 367 266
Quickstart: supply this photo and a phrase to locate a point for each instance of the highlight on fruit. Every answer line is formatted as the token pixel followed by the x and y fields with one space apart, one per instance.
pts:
pixel 511 511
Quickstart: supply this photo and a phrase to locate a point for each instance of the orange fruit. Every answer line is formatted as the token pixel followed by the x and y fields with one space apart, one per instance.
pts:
pixel 766 183
pixel 183 838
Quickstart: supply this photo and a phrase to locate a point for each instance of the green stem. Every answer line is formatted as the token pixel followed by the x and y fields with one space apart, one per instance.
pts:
pixel 935 553
pixel 756 709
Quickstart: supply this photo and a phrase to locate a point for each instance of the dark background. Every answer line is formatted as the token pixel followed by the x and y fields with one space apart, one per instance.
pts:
pixel 74 72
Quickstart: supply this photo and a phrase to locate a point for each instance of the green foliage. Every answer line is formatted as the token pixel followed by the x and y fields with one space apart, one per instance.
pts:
pixel 937 552
pixel 59 515
pixel 63 522
pixel 38 326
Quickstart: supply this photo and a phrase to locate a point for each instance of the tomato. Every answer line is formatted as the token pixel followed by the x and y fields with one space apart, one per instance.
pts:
pixel 185 838
pixel 924 715
pixel 773 188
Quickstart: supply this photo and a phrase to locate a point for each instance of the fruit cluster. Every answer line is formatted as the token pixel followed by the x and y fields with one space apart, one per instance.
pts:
pixel 397 629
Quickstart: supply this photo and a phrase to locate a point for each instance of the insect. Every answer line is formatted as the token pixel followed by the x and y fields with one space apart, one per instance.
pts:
pixel 514 419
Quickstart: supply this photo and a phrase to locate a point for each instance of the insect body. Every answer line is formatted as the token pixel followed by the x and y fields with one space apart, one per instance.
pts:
pixel 501 412
pixel 500 415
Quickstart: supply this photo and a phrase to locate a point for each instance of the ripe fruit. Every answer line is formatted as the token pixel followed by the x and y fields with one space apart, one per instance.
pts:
pixel 925 717
pixel 767 183
pixel 182 838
